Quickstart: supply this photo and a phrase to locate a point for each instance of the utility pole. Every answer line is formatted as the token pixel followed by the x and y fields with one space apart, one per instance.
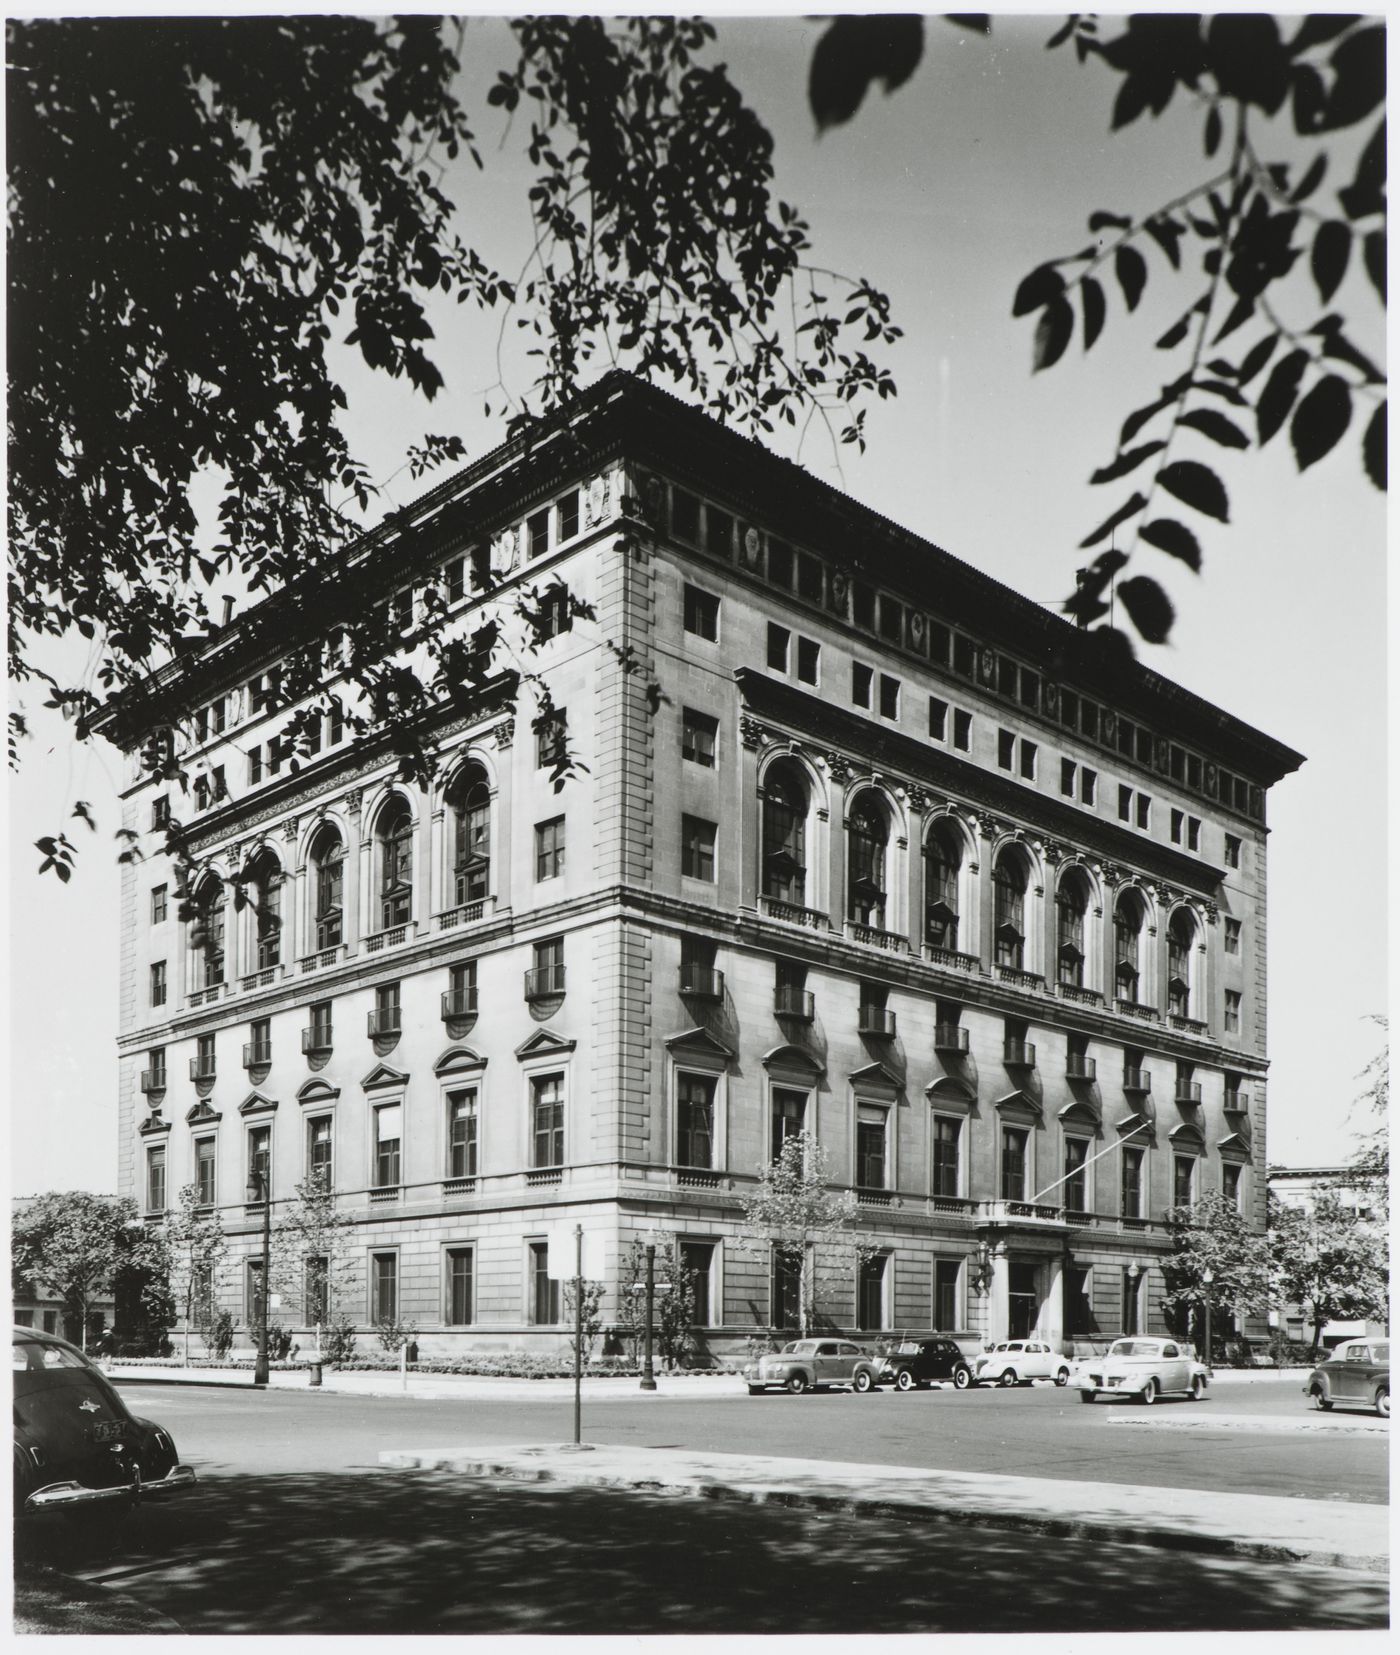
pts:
pixel 578 1334
pixel 259 1185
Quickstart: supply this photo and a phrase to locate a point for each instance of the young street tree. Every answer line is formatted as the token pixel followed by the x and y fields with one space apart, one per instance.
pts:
pixel 197 1251
pixel 79 1247
pixel 1212 1234
pixel 1330 1260
pixel 803 1225
pixel 1371 1167
pixel 673 1306
pixel 313 1262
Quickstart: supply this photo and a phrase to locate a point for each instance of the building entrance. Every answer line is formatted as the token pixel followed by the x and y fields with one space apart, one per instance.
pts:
pixel 1023 1300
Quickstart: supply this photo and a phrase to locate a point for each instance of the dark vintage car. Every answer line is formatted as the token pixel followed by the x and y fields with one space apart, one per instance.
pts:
pixel 911 1362
pixel 75 1443
pixel 1356 1374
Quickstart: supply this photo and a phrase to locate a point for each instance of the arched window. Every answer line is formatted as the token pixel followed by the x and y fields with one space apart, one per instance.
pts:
pixel 785 835
pixel 265 892
pixel 1009 888
pixel 1128 916
pixel 867 836
pixel 469 804
pixel 395 836
pixel 942 867
pixel 328 869
pixel 207 933
pixel 1181 937
pixel 1071 905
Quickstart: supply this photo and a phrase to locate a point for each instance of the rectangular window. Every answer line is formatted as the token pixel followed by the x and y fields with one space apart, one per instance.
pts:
pixel 461 989
pixel 155 1179
pixel 255 766
pixel 947 1146
pixel 1089 719
pixel 260 1041
pixel 870 1294
pixel 259 1162
pixel 719 533
pixel 862 683
pixel 1232 1011
pixel 203 1057
pixel 962 730
pixel 388 1010
pixel 320 1152
pixel 253 1291
pixel 547 977
pixel 1014 1141
pixel 1069 709
pixel 701 613
pixel 336 730
pixel 1232 936
pixel 1193 833
pixel 698 849
pixel 1030 688
pixel 789 1116
pixel 551 739
pixel 155 1058
pixel 891 619
pixel 780 564
pixel 1178 826
pixel 699 737
pixel 1088 785
pixel 388 1140
pixel 863 605
pixel 1125 803
pixel 311 738
pixel 964 655
pixel 1230 1183
pixel 1006 749
pixel 809 577
pixel 1067 774
pixel 455 579
pixel 785 1288
pixel 159 895
pixel 937 719
pixel 458 1308
pixel 778 640
pixel 556 615
pixel 697 1260
pixel 549 848
pixel 1075 1189
pixel 537 526
pixel 1144 746
pixel 461 1133
pixel 695 1121
pixel 315 1291
pixel 1232 851
pixel 321 1025
pixel 889 696
pixel 547 1120
pixel 1131 1205
pixel 871 1129
pixel 1132 1300
pixel 567 508
pixel 1144 812
pixel 1183 1180
pixel 1006 676
pixel 939 643
pixel 160 811
pixel 1126 731
pixel 809 654
pixel 945 1294
pixel 1028 757
pixel 544 1292
pixel 204 1171
pixel 384 1289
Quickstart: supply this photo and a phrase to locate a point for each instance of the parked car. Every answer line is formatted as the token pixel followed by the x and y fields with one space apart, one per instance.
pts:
pixel 76 1445
pixel 810 1364
pixel 911 1362
pixel 1358 1372
pixel 1144 1368
pixel 1018 1361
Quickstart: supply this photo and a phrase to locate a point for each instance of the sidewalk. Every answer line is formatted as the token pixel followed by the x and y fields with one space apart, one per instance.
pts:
pixel 1331 1534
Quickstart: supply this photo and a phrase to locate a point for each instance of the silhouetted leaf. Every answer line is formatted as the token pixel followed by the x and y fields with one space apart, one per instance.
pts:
pixel 1127 462
pixel 1373 449
pixel 1176 332
pixel 1213 129
pixel 1061 35
pixel 1247 58
pixel 1359 65
pixel 1042 285
pixel 1240 313
pixel 1148 607
pixel 1374 251
pixel 1109 221
pixel 1320 27
pixel 1256 358
pixel 1331 250
pixel 1311 178
pixel 1109 524
pixel 1309 99
pixel 1167 233
pixel 1210 422
pixel 1053 333
pixel 1131 270
pixel 1196 485
pixel 1279 394
pixel 1366 192
pixel 1336 344
pixel 1321 419
pixel 1094 310
pixel 1174 538
pixel 978 22
pixel 855 51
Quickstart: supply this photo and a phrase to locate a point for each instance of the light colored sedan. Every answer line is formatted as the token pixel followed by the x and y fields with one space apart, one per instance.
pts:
pixel 1018 1361
pixel 808 1364
pixel 1357 1372
pixel 1143 1368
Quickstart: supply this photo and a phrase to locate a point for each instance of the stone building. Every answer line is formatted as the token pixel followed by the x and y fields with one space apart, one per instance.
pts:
pixel 867 843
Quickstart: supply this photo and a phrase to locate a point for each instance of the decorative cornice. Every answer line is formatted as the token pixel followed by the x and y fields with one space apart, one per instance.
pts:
pixel 202 1115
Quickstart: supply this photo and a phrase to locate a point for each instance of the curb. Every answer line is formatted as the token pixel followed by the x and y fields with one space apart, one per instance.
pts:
pixel 1144 1534
pixel 44 1597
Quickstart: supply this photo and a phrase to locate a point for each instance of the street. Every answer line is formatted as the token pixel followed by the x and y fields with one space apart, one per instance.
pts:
pixel 295 1527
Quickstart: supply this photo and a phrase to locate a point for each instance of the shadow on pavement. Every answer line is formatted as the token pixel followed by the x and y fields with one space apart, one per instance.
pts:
pixel 384 1552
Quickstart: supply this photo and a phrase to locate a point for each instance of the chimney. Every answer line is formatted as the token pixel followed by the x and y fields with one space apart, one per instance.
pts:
pixel 228 609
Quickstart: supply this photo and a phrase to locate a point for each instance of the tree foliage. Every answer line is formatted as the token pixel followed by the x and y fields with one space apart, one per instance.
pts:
pixel 673 1306
pixel 197 1254
pixel 1213 1234
pixel 1371 1166
pixel 1328 1259
pixel 312 1228
pixel 77 1247
pixel 1263 243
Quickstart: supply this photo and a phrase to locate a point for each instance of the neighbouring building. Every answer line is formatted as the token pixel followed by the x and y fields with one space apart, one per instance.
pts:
pixel 1300 1187
pixel 865 843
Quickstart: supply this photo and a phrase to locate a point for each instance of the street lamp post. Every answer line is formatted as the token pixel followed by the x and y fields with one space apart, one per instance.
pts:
pixel 1207 1277
pixel 258 1190
pixel 1134 1271
pixel 648 1374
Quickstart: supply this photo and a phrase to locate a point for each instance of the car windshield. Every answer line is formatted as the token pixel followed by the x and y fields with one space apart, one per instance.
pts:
pixel 799 1347
pixel 1131 1347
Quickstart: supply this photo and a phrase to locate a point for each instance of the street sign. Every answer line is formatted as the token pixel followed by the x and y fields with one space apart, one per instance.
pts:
pixel 562 1263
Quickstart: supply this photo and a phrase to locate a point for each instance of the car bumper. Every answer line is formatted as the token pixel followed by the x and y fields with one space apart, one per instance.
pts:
pixel 58 1496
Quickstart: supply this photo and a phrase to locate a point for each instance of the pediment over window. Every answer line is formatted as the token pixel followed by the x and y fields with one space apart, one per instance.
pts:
pixel 1080 1113
pixel 1134 1122
pixel 1234 1147
pixel 256 1104
pixel 1187 1133
pixel 203 1115
pixel 700 1042
pixel 876 1081
pixel 1016 1102
pixel 152 1125
pixel 382 1075
pixel 458 1060
pixel 545 1043
pixel 792 1060
pixel 317 1090
pixel 951 1089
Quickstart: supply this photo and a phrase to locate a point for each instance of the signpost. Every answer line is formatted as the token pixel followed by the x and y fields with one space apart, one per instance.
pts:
pixel 585 1243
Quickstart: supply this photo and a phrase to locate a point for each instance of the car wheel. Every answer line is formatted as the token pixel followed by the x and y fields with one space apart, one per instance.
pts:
pixel 797 1384
pixel 862 1381
pixel 1062 1376
pixel 1009 1378
pixel 1383 1403
pixel 962 1378
pixel 1320 1400
pixel 1198 1387
pixel 904 1380
pixel 1149 1393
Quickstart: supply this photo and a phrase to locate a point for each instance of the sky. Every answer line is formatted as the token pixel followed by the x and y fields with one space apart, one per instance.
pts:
pixel 945 194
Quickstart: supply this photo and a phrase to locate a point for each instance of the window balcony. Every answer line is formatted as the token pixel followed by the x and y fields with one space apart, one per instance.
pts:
pixel 702 982
pixel 262 978
pixel 257 1054
pixel 1018 1054
pixel 544 981
pixel 1188 1091
pixel 791 914
pixel 539 1176
pixel 385 1020
pixel 1237 1103
pixel 1188 1025
pixel 1137 1080
pixel 322 958
pixel 458 1002
pixel 202 1068
pixel 1134 1008
pixel 874 1198
pixel 384 1195
pixel 796 1003
pixel 152 1080
pixel 466 913
pixel 1078 1067
pixel 1018 978
pixel 390 937
pixel 316 1039
pixel 873 937
pixel 1009 1211
pixel 950 1203
pixel 950 1037
pixel 697 1178
pixel 876 1021
pixel 459 1186
pixel 1081 996
pixel 207 996
pixel 1076 1215
pixel 952 960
